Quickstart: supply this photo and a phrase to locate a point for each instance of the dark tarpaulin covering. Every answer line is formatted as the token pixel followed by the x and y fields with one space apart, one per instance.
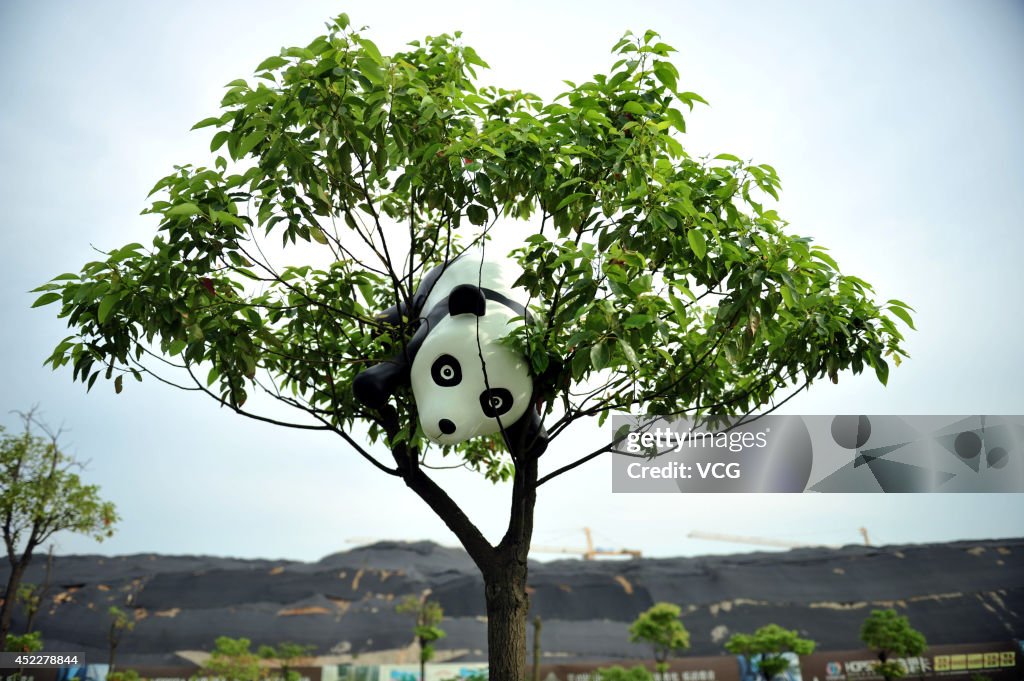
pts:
pixel 956 593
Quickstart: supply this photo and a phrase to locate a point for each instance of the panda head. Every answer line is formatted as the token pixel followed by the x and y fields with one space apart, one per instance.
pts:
pixel 454 401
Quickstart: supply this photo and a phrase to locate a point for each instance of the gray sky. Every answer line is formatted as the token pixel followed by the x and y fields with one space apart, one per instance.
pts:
pixel 895 128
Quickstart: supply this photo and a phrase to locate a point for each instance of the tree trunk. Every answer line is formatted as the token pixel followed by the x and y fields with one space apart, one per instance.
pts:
pixel 40 594
pixel 110 661
pixel 507 605
pixel 505 580
pixel 504 566
pixel 536 648
pixel 7 610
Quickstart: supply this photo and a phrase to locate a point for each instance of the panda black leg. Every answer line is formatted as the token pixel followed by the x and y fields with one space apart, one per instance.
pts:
pixel 527 435
pixel 393 315
pixel 375 386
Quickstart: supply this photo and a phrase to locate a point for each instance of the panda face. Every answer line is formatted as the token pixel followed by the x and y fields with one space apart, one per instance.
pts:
pixel 454 401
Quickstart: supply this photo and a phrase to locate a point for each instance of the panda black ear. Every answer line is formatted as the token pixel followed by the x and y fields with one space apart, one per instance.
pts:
pixel 467 299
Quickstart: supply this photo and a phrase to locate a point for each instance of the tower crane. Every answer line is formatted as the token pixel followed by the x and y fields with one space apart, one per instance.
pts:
pixel 589 552
pixel 765 541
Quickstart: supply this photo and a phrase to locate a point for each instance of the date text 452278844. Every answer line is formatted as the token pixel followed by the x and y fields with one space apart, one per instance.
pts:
pixel 41 660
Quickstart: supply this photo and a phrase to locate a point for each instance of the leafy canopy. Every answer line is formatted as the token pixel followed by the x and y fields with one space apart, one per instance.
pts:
pixel 660 627
pixel 771 642
pixel 428 615
pixel 890 635
pixel 233 660
pixel 31 642
pixel 41 494
pixel 660 282
pixel 286 655
pixel 888 632
pixel 620 673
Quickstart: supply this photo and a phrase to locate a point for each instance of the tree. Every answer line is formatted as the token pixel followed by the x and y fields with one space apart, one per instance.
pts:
pixel 286 655
pixel 233 660
pixel 771 642
pixel 660 627
pixel 428 616
pixel 890 635
pixel 40 495
pixel 120 622
pixel 659 282
pixel 29 642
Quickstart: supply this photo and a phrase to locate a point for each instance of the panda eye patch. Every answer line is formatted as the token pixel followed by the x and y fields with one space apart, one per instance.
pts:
pixel 446 371
pixel 495 401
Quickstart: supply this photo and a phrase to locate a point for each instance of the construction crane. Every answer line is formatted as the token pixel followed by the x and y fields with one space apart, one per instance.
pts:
pixel 864 533
pixel 764 541
pixel 757 541
pixel 590 552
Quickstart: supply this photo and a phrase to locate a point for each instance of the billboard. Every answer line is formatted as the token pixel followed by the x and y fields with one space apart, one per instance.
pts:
pixel 998 662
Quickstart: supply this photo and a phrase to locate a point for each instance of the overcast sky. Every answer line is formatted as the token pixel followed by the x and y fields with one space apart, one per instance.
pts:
pixel 895 128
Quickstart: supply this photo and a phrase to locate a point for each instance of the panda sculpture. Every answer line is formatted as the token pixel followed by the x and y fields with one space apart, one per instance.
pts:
pixel 465 382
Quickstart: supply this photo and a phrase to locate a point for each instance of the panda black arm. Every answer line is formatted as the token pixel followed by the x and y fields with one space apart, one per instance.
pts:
pixel 375 386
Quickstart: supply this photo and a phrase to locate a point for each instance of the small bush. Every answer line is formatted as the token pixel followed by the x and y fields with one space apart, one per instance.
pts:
pixel 617 673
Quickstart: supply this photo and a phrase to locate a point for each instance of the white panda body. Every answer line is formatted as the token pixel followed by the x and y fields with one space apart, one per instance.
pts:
pixel 472 268
pixel 464 380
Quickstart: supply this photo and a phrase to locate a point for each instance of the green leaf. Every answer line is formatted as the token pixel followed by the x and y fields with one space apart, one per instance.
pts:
pixel 630 353
pixel 787 296
pixel 484 184
pixel 882 371
pixel 248 143
pixel 206 122
pixel 599 356
pixel 637 321
pixel 176 347
pixel 899 303
pixel 318 235
pixel 635 108
pixel 691 97
pixel 569 199
pixel 184 209
pixel 477 214
pixel 728 157
pixel 902 314
pixel 118 383
pixel 46 299
pixel 107 306
pixel 697 242
pixel 665 75
pixel 218 140
pixel 371 69
pixel 371 50
pixel 676 119
pixel 827 259
pixel 271 63
pixel 497 152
